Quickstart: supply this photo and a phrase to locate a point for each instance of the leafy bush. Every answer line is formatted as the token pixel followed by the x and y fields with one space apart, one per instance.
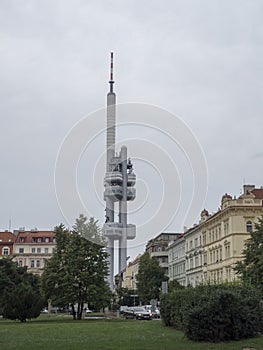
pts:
pixel 214 313
pixel 19 292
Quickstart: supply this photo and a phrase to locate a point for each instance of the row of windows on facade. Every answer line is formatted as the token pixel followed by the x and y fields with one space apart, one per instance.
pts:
pixel 216 276
pixel 33 263
pixel 37 250
pixel 215 256
pixel 163 259
pixel 38 239
pixel 215 234
pixel 176 270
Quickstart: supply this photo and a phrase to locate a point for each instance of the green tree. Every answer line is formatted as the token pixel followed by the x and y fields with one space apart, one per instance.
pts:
pixel 174 284
pixel 251 268
pixel 19 292
pixel 149 278
pixel 89 229
pixel 127 297
pixel 76 273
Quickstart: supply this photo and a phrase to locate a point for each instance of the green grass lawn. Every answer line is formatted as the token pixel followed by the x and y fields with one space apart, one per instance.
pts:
pixel 58 332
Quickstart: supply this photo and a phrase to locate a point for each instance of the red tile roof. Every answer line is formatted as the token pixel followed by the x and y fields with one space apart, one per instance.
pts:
pixel 29 236
pixel 258 193
pixel 7 237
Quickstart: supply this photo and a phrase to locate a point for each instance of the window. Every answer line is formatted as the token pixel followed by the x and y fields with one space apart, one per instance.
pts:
pixel 226 228
pixel 219 232
pixel 39 250
pixel 249 226
pixel 46 250
pixel 33 250
pixel 39 240
pixel 196 242
pixel 227 250
pixel 21 250
pixel 20 263
pixel 191 244
pixel 22 239
pixel 47 239
pixel 205 259
pixel 32 264
pixel 38 263
pixel 191 263
pixel 6 251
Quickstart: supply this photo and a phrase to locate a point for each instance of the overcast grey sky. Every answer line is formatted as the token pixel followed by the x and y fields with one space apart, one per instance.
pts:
pixel 200 60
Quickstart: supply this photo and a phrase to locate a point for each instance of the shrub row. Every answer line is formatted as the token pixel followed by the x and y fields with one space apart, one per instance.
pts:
pixel 214 312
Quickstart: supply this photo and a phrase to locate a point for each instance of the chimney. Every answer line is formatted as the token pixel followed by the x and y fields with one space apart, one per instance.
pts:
pixel 248 188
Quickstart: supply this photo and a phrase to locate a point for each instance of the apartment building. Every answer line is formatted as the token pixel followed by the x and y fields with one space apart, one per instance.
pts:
pixel 33 248
pixel 176 260
pixel 215 244
pixel 157 247
pixel 7 240
pixel 129 274
pixel 225 232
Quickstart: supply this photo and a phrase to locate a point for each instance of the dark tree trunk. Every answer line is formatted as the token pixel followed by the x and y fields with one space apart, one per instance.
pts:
pixel 80 310
pixel 73 311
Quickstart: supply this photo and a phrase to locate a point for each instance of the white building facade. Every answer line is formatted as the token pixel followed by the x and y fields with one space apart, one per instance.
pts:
pixel 176 261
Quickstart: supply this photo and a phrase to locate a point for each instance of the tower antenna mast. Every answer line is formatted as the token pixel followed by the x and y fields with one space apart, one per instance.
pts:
pixel 111 72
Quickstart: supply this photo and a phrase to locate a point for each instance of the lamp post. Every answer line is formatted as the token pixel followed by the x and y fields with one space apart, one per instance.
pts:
pixel 134 296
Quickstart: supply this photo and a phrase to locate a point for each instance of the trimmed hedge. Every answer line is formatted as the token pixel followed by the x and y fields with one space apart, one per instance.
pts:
pixel 214 312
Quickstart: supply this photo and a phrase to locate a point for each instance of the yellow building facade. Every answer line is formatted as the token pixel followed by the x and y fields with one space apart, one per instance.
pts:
pixel 215 244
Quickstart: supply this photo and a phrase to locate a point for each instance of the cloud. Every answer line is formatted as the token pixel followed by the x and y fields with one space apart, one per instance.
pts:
pixel 200 60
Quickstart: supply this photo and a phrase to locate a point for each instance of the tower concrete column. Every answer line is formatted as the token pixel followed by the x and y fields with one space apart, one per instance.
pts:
pixel 123 210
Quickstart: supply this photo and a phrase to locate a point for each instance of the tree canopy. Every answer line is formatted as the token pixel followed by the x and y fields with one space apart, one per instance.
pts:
pixel 20 297
pixel 76 273
pixel 149 278
pixel 251 268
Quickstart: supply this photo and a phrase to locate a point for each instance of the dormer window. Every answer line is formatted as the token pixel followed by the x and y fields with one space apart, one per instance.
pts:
pixel 22 239
pixel 249 226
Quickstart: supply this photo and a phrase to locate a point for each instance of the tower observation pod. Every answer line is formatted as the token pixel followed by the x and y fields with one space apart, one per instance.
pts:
pixel 119 188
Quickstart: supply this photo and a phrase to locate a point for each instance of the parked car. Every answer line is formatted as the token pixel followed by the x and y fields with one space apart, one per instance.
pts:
pixel 153 310
pixel 138 312
pixel 123 308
